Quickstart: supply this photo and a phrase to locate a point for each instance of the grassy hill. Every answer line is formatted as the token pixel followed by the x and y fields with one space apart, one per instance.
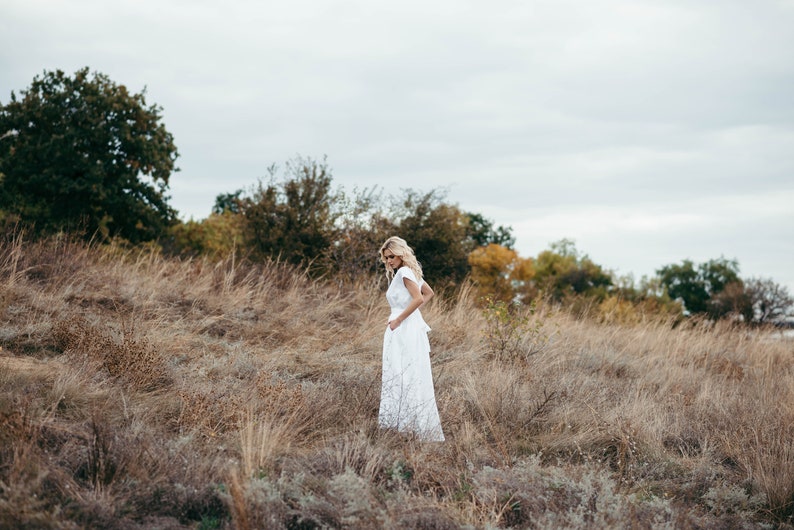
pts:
pixel 144 392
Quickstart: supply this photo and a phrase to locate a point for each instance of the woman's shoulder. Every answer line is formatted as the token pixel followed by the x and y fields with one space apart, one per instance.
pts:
pixel 405 272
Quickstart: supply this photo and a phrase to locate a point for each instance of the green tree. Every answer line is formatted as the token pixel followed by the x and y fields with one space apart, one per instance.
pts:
pixel 718 273
pixel 228 202
pixel 293 218
pixel 436 231
pixel 84 153
pixel 683 282
pixel 698 287
pixel 481 232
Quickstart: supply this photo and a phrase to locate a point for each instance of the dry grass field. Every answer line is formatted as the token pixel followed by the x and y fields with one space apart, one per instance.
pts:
pixel 143 392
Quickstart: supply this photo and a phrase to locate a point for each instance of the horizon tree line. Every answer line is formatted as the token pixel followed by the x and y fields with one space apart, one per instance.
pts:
pixel 82 154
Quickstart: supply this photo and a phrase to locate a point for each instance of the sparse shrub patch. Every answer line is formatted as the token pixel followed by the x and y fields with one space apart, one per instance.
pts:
pixel 128 358
pixel 511 331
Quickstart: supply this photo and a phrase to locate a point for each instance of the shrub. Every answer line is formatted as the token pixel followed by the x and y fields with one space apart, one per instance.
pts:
pixel 512 331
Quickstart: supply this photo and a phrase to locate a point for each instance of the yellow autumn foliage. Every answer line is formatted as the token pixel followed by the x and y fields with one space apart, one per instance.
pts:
pixel 500 273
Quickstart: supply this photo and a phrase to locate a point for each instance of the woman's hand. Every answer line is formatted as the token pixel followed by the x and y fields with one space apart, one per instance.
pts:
pixel 394 324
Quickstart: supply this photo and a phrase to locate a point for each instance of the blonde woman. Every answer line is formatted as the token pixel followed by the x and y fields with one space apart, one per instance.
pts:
pixel 408 401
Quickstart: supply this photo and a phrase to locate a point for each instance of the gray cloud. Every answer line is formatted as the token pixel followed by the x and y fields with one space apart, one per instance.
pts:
pixel 647 131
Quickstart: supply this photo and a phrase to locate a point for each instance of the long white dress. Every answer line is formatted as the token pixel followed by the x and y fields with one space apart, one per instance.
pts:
pixel 408 401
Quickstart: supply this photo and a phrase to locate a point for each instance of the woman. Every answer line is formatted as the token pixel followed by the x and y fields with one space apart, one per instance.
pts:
pixel 407 401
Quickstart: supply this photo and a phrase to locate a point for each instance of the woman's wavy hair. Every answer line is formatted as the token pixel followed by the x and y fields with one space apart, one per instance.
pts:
pixel 400 248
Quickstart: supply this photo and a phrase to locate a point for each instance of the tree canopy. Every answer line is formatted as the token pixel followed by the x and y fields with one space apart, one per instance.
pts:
pixel 482 232
pixel 698 287
pixel 501 274
pixel 83 153
pixel 562 271
pixel 292 218
pixel 299 217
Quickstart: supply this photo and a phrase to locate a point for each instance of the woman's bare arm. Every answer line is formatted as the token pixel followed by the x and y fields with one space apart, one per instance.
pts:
pixel 427 293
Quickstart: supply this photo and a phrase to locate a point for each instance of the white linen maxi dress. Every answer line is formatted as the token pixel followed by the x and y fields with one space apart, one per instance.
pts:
pixel 408 401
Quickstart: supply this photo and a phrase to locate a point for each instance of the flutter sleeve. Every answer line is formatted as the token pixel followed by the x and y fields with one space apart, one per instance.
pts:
pixel 405 272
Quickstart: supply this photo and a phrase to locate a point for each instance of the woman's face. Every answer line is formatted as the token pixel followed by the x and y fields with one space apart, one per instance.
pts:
pixel 392 261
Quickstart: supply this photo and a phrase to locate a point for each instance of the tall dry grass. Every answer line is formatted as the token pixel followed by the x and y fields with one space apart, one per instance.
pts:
pixel 138 391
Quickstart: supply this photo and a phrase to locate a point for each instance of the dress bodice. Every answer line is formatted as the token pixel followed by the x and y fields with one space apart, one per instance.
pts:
pixel 398 295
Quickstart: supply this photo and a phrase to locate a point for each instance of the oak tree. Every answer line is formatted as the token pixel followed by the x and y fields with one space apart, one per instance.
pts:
pixel 84 153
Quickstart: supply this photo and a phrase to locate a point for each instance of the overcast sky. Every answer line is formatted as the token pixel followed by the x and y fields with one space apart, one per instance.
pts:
pixel 647 131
